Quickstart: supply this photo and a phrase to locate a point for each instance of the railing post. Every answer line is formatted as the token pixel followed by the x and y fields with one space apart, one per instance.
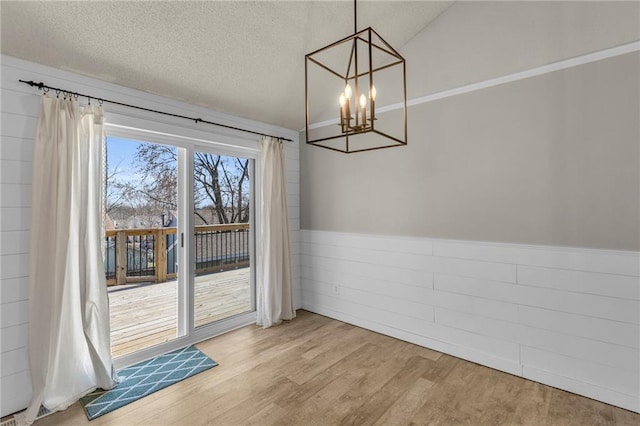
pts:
pixel 121 258
pixel 161 255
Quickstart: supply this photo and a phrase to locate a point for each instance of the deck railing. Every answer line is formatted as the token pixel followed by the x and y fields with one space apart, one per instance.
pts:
pixel 151 254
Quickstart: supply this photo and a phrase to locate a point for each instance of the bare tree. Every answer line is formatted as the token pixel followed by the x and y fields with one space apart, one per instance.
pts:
pixel 221 184
pixel 243 190
pixel 157 169
pixel 113 194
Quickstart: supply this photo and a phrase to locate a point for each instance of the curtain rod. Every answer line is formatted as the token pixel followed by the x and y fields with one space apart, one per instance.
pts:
pixel 45 88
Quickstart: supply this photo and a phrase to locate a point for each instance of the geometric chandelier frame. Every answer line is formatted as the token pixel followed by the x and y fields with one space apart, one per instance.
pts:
pixel 355 65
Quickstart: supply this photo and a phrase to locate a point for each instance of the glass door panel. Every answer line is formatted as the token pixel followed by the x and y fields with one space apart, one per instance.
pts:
pixel 222 237
pixel 141 217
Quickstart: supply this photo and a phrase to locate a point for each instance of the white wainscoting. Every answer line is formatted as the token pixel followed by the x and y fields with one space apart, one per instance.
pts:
pixel 565 317
pixel 20 109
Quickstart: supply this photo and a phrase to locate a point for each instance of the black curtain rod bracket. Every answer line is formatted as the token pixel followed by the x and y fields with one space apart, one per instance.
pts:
pixel 45 88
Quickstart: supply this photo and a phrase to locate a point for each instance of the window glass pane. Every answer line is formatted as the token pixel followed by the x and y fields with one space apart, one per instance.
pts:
pixel 222 203
pixel 140 243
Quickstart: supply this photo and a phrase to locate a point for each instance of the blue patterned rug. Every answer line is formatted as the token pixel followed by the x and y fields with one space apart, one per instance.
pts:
pixel 145 378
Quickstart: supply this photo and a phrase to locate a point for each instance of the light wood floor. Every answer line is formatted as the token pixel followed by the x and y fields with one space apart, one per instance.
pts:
pixel 318 371
pixel 145 315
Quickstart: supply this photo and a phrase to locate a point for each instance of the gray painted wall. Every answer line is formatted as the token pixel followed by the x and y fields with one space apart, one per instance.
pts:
pixel 552 159
pixel 476 41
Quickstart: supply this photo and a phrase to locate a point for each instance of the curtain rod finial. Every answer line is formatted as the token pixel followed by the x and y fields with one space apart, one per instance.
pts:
pixel 33 84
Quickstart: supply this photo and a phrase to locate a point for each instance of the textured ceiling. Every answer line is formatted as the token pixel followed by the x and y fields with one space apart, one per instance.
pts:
pixel 242 58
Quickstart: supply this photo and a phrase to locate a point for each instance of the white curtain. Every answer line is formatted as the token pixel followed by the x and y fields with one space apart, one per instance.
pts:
pixel 69 341
pixel 275 288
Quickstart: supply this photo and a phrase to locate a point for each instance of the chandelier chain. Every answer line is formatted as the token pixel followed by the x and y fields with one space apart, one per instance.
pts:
pixel 355 17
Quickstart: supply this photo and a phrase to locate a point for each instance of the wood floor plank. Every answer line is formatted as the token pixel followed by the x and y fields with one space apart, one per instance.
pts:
pixel 319 395
pixel 407 404
pixel 318 371
pixel 376 406
pixel 336 349
pixel 242 409
pixel 269 415
pixel 567 407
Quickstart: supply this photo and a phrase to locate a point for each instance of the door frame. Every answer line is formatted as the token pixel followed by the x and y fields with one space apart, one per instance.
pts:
pixel 119 126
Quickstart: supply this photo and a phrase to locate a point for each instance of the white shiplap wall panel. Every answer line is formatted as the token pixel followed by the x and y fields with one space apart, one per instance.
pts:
pixel 377 301
pixel 367 255
pixel 15 171
pixel 478 287
pixel 622 286
pixel 589 372
pixel 616 332
pixel 383 272
pixel 477 324
pixel 19 126
pixel 292 169
pixel 580 387
pixel 617 356
pixel 622 357
pixel 475 305
pixel 14 266
pixel 20 102
pixel 625 310
pixel 13 337
pixel 20 109
pixel 14 290
pixel 14 313
pixel 12 361
pixel 15 195
pixel 16 148
pixel 14 242
pixel 553 257
pixel 293 192
pixel 476 269
pixel 372 285
pixel 491 304
pixel 393 304
pixel 15 218
pixel 13 388
pixel 290 175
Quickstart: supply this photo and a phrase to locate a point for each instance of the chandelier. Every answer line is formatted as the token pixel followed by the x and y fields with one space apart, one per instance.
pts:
pixel 344 110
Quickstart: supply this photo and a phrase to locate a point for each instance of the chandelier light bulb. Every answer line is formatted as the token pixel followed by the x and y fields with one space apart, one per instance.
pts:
pixel 342 100
pixel 347 91
pixel 372 95
pixel 363 101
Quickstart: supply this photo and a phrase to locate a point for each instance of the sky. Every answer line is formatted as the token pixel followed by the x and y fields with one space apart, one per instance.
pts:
pixel 121 153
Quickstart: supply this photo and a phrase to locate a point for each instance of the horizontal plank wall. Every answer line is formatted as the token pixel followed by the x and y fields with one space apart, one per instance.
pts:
pixel 565 317
pixel 20 108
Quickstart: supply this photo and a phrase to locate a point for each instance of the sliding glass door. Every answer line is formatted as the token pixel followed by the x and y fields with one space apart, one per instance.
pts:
pixel 169 205
pixel 222 208
pixel 141 215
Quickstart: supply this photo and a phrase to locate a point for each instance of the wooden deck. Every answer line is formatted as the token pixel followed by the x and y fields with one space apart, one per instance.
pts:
pixel 145 315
